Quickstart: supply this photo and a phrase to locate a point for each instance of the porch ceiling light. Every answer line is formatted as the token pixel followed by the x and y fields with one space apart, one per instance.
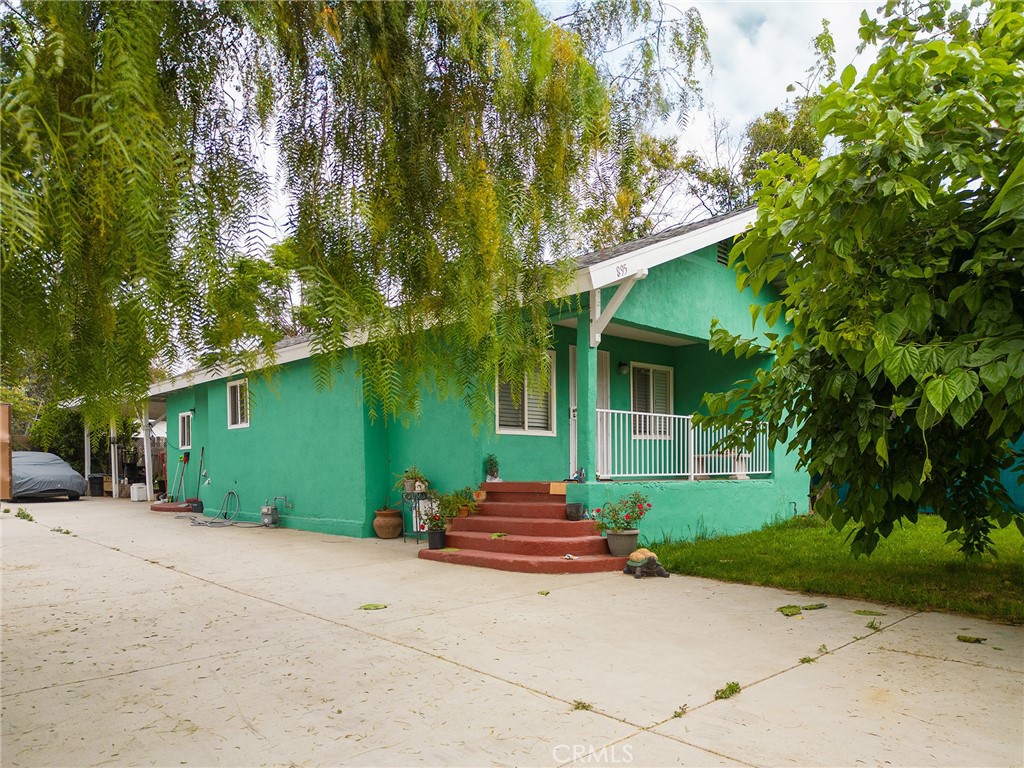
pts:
pixel 623 368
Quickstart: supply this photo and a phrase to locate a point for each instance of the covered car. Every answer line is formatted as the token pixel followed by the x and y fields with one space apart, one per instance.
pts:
pixel 36 474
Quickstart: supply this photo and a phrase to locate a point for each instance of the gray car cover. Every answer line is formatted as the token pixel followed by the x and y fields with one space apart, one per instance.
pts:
pixel 43 474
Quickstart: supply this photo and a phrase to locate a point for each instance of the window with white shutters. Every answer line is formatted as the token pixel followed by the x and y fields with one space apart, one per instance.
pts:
pixel 652 394
pixel 534 413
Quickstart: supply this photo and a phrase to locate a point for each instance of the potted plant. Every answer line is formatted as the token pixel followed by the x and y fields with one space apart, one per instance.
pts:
pixel 618 520
pixel 411 481
pixel 491 468
pixel 436 517
pixel 466 501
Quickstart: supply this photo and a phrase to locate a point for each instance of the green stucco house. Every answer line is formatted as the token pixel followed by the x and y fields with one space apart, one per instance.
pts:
pixel 628 370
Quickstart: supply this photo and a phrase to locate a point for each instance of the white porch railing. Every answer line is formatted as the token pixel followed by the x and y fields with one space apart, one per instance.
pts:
pixel 631 444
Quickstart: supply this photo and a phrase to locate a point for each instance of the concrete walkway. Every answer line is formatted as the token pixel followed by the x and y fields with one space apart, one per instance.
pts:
pixel 139 639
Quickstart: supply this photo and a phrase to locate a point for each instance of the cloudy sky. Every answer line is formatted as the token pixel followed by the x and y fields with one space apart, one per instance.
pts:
pixel 758 48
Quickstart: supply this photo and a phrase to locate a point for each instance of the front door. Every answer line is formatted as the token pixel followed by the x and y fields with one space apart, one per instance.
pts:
pixel 603 401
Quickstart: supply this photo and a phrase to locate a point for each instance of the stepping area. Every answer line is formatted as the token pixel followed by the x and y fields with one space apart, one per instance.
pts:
pixel 523 527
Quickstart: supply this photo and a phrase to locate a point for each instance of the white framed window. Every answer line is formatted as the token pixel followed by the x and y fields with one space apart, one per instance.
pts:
pixel 534 414
pixel 185 430
pixel 651 394
pixel 238 404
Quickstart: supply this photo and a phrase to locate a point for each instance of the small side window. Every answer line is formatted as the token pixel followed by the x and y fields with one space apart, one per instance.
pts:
pixel 185 430
pixel 238 404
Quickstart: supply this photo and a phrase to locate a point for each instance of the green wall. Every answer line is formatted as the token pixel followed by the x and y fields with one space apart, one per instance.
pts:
pixel 443 444
pixel 311 446
pixel 683 295
pixel 682 510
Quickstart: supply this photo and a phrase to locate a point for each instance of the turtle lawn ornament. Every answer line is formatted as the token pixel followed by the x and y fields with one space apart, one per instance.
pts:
pixel 642 562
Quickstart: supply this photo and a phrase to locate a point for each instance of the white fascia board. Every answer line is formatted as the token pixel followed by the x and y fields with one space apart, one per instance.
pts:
pixel 628 264
pixel 288 354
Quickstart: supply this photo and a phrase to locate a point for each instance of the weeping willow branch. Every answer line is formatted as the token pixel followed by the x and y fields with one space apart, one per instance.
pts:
pixel 435 155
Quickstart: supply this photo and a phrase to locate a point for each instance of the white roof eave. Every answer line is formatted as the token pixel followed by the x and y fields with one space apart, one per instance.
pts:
pixel 601 275
pixel 288 354
pixel 619 268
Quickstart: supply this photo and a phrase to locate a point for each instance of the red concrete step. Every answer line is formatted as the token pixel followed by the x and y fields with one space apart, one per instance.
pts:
pixel 518 487
pixel 525 563
pixel 524 526
pixel 546 510
pixel 551 546
pixel 526 497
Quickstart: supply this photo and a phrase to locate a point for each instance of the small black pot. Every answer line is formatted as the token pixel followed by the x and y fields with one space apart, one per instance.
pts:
pixel 435 539
pixel 574 511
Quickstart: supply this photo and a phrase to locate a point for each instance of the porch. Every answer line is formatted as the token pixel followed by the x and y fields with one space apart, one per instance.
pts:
pixel 635 445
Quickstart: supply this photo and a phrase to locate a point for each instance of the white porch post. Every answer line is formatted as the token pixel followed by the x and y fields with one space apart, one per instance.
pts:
pixel 147 450
pixel 689 449
pixel 586 395
pixel 114 480
pixel 88 453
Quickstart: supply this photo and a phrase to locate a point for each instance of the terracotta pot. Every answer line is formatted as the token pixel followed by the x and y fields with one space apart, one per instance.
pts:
pixel 388 523
pixel 622 543
pixel 463 511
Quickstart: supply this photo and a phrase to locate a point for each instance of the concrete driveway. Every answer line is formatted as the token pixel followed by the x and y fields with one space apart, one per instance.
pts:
pixel 139 639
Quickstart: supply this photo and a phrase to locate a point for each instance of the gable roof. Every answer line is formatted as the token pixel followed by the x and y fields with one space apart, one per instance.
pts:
pixel 608 266
pixel 597 269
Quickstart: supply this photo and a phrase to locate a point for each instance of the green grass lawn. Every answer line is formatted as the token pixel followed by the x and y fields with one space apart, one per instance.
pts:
pixel 913 568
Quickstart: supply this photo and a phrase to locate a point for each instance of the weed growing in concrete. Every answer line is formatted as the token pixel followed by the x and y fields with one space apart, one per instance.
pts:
pixel 807 660
pixel 823 649
pixel 7 510
pixel 873 625
pixel 869 613
pixel 730 690
pixel 65 531
pixel 680 712
pixel 586 706
pixel 24 514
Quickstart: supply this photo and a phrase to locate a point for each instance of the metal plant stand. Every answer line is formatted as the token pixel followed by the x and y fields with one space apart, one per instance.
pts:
pixel 412 504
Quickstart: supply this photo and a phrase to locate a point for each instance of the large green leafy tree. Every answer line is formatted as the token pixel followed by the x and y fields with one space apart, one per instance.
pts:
pixel 901 269
pixel 434 155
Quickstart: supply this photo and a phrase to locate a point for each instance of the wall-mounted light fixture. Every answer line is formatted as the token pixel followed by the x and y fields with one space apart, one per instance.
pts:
pixel 623 368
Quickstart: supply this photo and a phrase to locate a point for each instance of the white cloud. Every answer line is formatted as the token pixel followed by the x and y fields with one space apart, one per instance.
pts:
pixel 758 49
